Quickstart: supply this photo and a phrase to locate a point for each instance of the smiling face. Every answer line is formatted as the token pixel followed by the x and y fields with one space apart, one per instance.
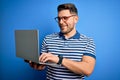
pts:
pixel 67 21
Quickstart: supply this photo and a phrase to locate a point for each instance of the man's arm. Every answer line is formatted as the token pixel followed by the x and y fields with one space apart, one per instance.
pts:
pixel 86 66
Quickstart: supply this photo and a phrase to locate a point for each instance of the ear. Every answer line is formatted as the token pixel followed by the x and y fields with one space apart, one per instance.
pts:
pixel 76 19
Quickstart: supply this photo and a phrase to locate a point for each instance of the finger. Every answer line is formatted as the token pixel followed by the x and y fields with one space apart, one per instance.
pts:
pixel 40 58
pixel 31 64
pixel 40 67
pixel 45 60
pixel 30 61
pixel 43 57
pixel 35 66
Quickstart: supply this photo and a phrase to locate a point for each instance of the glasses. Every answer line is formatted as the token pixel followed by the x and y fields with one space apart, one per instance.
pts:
pixel 64 18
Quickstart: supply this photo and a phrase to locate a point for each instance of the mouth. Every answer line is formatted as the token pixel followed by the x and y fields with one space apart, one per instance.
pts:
pixel 63 27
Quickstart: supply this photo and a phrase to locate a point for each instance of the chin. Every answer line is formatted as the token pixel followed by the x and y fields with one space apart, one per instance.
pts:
pixel 64 32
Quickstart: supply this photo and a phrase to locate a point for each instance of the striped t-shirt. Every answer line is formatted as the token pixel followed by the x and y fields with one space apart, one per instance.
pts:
pixel 73 48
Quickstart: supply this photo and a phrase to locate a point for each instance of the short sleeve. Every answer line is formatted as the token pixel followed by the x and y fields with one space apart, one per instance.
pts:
pixel 44 46
pixel 90 48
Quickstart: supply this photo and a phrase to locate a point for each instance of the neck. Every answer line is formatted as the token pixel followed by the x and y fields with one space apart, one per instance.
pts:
pixel 70 34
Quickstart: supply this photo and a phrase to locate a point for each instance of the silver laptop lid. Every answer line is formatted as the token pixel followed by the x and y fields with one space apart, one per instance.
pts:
pixel 27 44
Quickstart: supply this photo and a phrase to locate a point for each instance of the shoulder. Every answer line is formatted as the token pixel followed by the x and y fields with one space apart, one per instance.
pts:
pixel 88 40
pixel 84 37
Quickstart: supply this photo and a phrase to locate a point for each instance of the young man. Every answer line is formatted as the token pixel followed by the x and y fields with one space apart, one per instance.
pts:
pixel 73 52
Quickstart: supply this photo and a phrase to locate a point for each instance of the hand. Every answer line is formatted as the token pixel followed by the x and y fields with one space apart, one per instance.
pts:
pixel 48 57
pixel 35 65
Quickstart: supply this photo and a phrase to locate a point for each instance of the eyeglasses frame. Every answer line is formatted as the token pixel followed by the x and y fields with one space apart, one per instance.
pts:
pixel 64 18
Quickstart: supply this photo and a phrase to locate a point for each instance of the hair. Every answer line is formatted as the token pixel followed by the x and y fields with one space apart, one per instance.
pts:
pixel 68 6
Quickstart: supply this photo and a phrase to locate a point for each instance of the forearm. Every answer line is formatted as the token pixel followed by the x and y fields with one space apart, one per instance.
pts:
pixel 85 67
pixel 78 67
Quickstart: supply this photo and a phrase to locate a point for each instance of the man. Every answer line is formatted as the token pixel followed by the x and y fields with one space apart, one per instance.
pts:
pixel 73 52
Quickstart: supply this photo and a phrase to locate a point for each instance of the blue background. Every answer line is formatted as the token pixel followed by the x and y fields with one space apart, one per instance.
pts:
pixel 99 19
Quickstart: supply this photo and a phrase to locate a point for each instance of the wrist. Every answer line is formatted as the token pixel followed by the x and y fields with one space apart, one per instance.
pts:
pixel 60 60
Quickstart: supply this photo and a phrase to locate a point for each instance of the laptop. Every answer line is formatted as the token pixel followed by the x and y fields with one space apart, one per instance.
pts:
pixel 27 45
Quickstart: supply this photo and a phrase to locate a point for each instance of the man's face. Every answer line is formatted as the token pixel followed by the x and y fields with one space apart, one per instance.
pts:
pixel 67 21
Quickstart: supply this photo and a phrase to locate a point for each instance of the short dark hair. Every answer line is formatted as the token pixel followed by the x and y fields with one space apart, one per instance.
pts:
pixel 68 6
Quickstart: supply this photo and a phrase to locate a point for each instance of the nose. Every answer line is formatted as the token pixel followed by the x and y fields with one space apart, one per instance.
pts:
pixel 61 21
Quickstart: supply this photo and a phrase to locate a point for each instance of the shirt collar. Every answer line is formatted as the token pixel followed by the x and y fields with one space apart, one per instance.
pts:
pixel 76 36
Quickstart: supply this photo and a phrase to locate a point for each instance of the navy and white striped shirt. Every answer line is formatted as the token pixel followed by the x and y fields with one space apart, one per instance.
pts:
pixel 73 48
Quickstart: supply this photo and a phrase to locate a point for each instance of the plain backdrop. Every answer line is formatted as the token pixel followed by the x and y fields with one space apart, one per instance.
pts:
pixel 99 19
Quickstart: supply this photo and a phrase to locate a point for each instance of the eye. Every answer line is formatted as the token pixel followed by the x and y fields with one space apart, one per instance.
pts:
pixel 65 18
pixel 58 18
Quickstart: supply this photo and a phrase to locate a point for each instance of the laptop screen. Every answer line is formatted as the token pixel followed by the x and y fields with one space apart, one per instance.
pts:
pixel 27 44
